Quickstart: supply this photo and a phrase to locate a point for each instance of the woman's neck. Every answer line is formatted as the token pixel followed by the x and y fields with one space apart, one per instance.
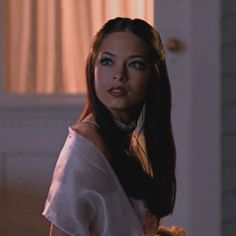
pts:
pixel 128 127
pixel 126 118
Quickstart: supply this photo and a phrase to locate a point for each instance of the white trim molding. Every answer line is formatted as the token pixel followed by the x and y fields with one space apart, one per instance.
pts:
pixel 196 83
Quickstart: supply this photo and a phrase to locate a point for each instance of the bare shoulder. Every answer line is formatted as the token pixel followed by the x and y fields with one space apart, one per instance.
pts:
pixel 90 131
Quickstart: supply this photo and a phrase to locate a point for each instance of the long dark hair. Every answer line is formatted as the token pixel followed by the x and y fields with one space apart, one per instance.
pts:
pixel 159 189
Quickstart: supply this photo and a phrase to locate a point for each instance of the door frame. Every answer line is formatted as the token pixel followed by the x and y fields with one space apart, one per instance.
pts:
pixel 1 46
pixel 198 25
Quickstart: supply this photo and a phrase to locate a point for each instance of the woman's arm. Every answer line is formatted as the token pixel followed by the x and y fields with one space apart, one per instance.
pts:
pixel 171 231
pixel 55 231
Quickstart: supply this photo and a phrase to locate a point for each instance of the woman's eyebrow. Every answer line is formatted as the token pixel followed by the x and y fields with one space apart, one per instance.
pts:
pixel 131 56
pixel 108 53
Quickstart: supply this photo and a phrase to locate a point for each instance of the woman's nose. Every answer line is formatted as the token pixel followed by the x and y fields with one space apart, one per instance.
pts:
pixel 120 74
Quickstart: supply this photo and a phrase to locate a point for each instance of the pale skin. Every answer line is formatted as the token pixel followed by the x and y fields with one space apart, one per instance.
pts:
pixel 122 74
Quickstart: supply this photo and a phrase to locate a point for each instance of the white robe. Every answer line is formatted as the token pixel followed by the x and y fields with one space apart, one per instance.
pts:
pixel 85 192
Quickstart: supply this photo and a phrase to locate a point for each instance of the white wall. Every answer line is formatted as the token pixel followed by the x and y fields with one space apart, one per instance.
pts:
pixel 195 76
pixel 33 130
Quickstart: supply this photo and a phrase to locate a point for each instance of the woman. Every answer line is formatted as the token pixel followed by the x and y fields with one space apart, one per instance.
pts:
pixel 116 172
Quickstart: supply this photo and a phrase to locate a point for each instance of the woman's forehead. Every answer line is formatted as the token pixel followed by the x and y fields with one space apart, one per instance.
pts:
pixel 123 41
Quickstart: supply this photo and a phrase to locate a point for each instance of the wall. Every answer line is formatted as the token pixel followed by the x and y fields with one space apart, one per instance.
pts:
pixel 229 116
pixel 33 130
pixel 196 79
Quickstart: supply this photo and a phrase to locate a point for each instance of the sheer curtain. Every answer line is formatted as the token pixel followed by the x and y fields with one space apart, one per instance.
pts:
pixel 46 41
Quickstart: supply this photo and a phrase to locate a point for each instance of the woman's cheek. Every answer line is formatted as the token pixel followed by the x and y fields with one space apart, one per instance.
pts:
pixel 100 76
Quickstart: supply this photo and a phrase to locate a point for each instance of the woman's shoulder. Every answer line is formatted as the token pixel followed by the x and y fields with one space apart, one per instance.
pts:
pixel 83 155
pixel 89 129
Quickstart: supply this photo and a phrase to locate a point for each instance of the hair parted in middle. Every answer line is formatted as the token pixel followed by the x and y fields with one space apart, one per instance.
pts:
pixel 159 189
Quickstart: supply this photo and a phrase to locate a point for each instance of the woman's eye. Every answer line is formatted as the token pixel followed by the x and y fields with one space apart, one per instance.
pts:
pixel 137 65
pixel 106 61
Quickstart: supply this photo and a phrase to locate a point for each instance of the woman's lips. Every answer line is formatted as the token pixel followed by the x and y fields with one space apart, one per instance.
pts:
pixel 117 92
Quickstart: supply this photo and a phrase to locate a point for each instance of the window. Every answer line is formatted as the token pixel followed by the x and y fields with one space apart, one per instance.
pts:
pixel 46 42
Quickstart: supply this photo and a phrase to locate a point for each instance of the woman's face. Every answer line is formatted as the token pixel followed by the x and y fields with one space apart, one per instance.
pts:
pixel 122 73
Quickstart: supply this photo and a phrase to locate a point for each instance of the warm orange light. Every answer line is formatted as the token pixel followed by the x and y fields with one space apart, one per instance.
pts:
pixel 47 42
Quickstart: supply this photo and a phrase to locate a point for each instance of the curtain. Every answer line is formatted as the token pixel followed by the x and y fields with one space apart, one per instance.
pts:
pixel 46 41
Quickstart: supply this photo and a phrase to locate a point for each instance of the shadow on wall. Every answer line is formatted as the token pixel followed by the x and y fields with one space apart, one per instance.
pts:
pixel 32 135
pixel 21 212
